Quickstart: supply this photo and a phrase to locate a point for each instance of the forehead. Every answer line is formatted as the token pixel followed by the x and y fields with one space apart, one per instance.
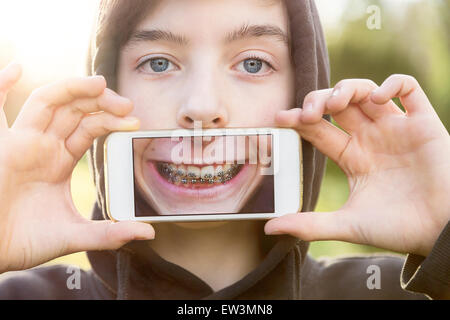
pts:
pixel 198 18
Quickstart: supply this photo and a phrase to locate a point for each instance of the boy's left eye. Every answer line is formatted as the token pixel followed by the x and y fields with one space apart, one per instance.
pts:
pixel 254 66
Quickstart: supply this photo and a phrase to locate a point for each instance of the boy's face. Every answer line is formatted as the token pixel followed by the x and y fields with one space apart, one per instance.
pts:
pixel 220 63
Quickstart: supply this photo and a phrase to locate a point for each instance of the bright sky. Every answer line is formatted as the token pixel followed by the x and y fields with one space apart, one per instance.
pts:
pixel 47 36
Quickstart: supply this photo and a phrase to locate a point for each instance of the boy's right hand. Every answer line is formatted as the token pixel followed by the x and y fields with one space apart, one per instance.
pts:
pixel 56 126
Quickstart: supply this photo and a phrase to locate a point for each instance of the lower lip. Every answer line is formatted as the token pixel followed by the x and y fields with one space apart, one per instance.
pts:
pixel 201 192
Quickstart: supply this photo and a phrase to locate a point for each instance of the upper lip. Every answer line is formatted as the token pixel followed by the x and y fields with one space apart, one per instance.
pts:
pixel 204 162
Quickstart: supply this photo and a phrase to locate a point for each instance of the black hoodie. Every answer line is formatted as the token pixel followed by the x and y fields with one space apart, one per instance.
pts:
pixel 287 272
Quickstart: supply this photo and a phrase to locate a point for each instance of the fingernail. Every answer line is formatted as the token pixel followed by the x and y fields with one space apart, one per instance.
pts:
pixel 98 77
pixel 108 90
pixel 271 229
pixel 273 232
pixel 336 92
pixel 308 108
pixel 145 238
pixel 131 119
pixel 129 122
pixel 124 99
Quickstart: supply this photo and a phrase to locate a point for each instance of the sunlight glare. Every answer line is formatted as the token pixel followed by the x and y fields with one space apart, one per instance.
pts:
pixel 48 37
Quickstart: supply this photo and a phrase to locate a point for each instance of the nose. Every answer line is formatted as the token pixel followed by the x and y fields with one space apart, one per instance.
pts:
pixel 202 103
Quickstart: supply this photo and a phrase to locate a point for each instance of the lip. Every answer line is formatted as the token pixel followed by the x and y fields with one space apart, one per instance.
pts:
pixel 190 153
pixel 212 192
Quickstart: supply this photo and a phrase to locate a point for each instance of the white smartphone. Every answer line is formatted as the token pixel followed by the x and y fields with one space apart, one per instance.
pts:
pixel 203 174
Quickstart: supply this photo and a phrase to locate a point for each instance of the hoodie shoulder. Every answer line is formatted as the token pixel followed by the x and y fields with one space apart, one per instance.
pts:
pixel 58 282
pixel 356 277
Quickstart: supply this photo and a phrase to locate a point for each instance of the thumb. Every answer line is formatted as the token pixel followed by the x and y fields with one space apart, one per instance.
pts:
pixel 312 226
pixel 8 78
pixel 108 235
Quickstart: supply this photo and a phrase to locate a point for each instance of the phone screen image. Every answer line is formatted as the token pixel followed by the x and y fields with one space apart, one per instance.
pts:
pixel 203 175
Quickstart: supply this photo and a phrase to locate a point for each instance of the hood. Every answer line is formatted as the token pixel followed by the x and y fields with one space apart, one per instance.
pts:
pixel 135 271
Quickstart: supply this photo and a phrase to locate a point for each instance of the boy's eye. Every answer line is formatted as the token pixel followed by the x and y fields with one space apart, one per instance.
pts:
pixel 156 65
pixel 254 66
pixel 159 64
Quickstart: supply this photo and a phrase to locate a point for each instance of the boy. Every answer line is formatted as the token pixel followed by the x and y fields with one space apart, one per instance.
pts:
pixel 178 62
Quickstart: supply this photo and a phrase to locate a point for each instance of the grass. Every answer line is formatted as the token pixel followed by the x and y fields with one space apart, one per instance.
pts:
pixel 334 193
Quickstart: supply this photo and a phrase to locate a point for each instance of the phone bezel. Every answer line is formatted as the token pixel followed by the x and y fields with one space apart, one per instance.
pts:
pixel 119 184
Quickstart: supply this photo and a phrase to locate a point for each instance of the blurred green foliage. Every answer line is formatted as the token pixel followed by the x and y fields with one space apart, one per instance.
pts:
pixel 414 39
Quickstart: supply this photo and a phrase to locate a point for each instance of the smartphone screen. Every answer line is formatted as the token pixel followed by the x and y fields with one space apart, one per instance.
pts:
pixel 203 175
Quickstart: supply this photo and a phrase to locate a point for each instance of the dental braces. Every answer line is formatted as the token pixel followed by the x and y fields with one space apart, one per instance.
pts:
pixel 184 177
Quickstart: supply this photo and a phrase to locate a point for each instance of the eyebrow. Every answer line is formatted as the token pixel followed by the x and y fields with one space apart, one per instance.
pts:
pixel 244 32
pixel 156 35
pixel 255 31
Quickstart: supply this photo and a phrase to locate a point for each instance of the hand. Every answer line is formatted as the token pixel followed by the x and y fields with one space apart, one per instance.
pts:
pixel 56 126
pixel 397 165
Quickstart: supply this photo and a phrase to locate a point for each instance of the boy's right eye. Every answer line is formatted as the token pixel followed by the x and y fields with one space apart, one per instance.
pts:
pixel 159 64
pixel 156 65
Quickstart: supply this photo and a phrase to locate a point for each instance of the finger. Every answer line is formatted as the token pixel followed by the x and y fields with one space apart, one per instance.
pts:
pixel 67 118
pixel 405 87
pixel 93 126
pixel 314 105
pixel 313 226
pixel 289 118
pixel 38 110
pixel 8 78
pixel 325 136
pixel 357 92
pixel 108 235
pixel 349 117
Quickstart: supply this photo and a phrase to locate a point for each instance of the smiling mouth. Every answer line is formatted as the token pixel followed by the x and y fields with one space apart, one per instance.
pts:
pixel 192 176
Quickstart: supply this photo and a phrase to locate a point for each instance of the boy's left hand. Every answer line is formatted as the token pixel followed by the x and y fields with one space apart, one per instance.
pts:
pixel 397 165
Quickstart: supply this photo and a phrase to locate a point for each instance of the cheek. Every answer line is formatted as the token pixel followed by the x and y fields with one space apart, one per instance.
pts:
pixel 140 146
pixel 257 105
pixel 155 108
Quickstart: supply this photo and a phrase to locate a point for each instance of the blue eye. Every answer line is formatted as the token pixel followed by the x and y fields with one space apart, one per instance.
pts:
pixel 159 64
pixel 156 65
pixel 253 65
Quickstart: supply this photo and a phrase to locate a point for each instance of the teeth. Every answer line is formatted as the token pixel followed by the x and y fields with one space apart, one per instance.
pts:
pixel 207 172
pixel 165 168
pixel 175 179
pixel 181 171
pixel 227 172
pixel 219 171
pixel 172 168
pixel 192 174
